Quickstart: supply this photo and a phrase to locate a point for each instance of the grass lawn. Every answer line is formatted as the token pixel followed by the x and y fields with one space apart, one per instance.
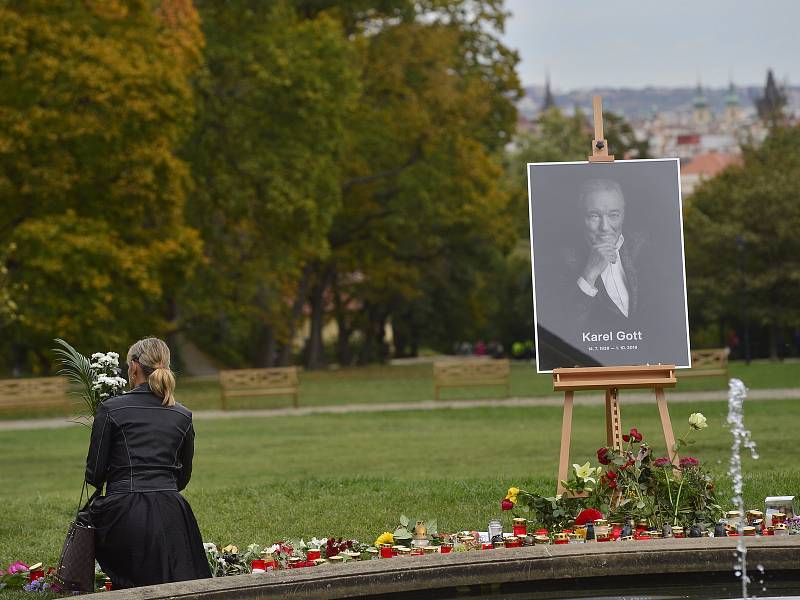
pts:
pixel 414 383
pixel 257 480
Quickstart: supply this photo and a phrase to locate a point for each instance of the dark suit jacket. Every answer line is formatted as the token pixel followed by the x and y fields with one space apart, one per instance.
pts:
pixel 572 312
pixel 138 444
pixel 600 309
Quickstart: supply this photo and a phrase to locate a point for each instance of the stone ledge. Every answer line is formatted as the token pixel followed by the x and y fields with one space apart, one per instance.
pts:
pixel 531 564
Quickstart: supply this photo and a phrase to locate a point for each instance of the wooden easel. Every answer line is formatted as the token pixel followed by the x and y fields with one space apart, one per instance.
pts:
pixel 599 143
pixel 610 379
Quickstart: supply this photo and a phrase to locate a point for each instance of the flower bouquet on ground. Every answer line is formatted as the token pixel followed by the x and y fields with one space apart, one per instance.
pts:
pixel 15 577
pixel 630 484
pixel 98 378
pixel 656 490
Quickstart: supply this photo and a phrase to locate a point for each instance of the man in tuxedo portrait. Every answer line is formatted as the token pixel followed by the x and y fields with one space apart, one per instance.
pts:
pixel 599 263
pixel 605 271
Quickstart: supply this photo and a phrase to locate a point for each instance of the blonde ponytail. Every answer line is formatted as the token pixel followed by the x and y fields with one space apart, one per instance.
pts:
pixel 162 383
pixel 153 354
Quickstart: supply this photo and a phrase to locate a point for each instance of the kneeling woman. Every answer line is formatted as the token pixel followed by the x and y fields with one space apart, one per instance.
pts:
pixel 141 448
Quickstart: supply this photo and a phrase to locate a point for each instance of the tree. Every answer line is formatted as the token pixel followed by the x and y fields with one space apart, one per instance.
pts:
pixel 264 152
pixel 95 98
pixel 422 205
pixel 751 209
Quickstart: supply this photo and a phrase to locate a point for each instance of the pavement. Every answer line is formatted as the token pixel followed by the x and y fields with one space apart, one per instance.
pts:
pixel 550 400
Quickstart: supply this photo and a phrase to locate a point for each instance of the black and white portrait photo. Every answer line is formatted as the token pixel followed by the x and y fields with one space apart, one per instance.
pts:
pixel 607 259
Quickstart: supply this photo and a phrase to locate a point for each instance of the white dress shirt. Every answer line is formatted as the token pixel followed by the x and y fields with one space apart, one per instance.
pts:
pixel 613 277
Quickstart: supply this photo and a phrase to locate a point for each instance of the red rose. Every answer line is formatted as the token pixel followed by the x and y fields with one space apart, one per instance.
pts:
pixel 635 435
pixel 626 437
pixel 661 462
pixel 689 461
pixel 506 504
pixel 612 484
pixel 602 456
pixel 588 515
pixel 611 475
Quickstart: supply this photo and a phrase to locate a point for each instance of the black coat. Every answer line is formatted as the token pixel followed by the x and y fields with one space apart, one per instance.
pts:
pixel 140 445
pixel 142 451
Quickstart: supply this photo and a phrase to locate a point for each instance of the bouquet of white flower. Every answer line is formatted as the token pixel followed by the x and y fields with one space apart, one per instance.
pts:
pixel 98 378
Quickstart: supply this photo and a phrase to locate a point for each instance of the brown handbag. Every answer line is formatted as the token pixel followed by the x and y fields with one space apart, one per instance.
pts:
pixel 75 569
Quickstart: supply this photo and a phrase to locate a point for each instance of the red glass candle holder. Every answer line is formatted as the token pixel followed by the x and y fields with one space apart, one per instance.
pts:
pixel 487 546
pixel 446 548
pixel 36 574
pixel 259 564
pixel 107 585
pixel 313 554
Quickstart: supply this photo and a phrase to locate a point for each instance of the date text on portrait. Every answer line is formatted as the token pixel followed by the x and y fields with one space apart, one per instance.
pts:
pixel 602 348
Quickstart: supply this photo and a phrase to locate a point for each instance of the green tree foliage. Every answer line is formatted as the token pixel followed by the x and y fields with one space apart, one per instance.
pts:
pixel 423 213
pixel 265 154
pixel 742 243
pixel 94 99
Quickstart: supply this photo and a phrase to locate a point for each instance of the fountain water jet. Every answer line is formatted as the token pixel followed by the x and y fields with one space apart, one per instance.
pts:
pixel 737 393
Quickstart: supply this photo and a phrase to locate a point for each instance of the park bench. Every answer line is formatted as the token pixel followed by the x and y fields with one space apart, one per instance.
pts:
pixel 34 393
pixel 239 383
pixel 458 373
pixel 707 363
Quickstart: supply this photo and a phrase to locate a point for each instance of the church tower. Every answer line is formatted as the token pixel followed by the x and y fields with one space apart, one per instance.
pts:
pixel 733 108
pixel 549 100
pixel 701 116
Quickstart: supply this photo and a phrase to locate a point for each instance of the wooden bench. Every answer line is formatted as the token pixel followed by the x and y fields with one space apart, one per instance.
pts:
pixel 34 393
pixel 259 382
pixel 457 373
pixel 707 363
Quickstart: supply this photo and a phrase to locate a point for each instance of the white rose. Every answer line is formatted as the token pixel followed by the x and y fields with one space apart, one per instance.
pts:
pixel 697 421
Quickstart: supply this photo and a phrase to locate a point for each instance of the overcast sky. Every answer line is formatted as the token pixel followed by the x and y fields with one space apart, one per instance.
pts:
pixel 629 43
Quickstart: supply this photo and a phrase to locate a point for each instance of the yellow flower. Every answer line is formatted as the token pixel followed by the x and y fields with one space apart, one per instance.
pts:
pixel 230 549
pixel 513 499
pixel 384 538
pixel 512 491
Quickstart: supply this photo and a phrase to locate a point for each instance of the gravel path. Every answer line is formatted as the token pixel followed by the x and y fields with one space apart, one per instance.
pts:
pixel 554 400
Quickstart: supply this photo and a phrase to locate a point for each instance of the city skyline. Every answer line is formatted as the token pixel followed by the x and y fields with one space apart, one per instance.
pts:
pixel 712 42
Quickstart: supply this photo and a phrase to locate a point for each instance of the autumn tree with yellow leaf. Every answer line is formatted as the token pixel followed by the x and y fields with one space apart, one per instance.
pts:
pixel 95 99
